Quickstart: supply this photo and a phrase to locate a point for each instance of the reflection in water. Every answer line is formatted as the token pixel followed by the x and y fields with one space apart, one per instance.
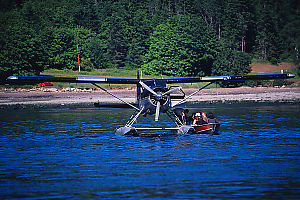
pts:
pixel 75 154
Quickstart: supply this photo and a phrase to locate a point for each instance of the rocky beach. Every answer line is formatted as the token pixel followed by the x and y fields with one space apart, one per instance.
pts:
pixel 86 97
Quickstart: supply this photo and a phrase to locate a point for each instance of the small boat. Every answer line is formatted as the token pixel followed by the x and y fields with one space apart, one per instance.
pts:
pixel 211 128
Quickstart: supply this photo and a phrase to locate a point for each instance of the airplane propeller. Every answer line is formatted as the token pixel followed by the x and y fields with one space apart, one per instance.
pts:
pixel 147 88
pixel 157 111
pixel 158 96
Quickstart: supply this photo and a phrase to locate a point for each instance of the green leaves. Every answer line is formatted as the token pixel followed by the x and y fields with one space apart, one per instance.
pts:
pixel 182 37
pixel 230 62
pixel 181 47
pixel 20 50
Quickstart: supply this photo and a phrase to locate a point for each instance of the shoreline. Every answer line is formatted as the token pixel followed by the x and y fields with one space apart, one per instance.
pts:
pixel 43 99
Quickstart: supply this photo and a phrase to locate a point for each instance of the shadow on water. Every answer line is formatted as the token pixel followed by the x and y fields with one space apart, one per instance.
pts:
pixel 75 154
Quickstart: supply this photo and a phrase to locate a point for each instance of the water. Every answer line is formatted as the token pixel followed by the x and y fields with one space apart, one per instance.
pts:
pixel 74 154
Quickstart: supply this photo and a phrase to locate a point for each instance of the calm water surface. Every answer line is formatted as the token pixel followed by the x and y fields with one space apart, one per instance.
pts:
pixel 74 154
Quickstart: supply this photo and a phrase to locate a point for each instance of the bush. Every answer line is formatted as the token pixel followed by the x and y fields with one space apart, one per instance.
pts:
pixel 281 82
pixel 258 83
pixel 86 65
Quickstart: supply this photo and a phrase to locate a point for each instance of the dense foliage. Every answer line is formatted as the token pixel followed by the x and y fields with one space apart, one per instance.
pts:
pixel 174 37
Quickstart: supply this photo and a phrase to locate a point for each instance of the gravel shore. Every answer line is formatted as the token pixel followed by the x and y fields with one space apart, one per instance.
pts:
pixel 52 98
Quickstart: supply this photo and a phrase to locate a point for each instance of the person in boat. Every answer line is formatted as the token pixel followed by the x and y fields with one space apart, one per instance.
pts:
pixel 204 117
pixel 198 120
pixel 181 114
pixel 186 112
pixel 211 118
pixel 190 119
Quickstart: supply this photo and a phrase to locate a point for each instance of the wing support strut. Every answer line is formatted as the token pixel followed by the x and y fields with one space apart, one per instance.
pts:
pixel 115 96
pixel 129 124
pixel 184 100
pixel 176 121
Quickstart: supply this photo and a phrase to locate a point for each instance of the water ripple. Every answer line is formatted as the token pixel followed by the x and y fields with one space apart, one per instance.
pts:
pixel 64 154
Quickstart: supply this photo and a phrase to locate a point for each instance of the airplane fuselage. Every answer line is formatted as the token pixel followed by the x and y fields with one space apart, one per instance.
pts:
pixel 148 100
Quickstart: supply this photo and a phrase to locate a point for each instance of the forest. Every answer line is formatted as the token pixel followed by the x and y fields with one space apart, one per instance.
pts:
pixel 160 37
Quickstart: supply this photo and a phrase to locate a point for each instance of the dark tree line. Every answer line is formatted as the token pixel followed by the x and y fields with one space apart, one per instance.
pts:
pixel 171 37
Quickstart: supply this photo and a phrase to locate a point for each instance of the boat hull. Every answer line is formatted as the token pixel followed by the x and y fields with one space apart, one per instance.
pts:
pixel 206 128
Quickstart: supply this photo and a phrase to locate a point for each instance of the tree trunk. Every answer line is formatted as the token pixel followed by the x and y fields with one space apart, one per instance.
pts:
pixel 243 44
pixel 219 31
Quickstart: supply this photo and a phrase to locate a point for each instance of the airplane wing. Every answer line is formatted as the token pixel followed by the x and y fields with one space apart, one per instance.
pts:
pixel 41 79
pixel 230 78
pixel 83 79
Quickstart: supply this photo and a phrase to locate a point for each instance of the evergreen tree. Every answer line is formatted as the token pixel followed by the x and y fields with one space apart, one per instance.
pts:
pixel 212 12
pixel 179 37
pixel 85 14
pixel 118 40
pixel 139 32
pixel 184 46
pixel 288 27
pixel 235 20
pixel 231 62
pixel 267 37
pixel 20 51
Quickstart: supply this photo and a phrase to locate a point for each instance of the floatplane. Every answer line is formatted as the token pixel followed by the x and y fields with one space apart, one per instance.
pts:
pixel 153 96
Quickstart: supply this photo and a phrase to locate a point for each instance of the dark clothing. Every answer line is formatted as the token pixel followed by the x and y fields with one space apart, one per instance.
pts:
pixel 179 113
pixel 189 120
pixel 213 121
pixel 200 122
